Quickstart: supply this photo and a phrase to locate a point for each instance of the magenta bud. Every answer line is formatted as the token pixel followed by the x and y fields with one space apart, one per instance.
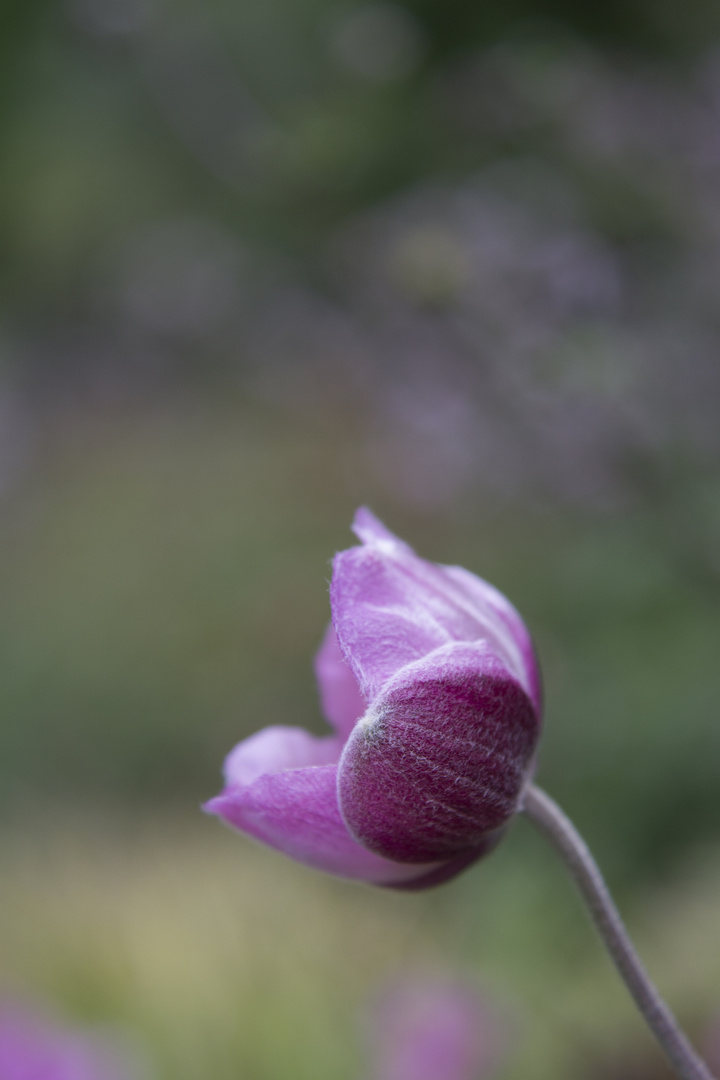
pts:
pixel 429 679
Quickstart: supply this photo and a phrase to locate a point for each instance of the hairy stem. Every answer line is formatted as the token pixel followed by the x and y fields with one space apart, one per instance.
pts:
pixel 562 834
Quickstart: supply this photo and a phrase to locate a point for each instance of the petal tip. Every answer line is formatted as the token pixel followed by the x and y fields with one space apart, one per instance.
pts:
pixel 370 530
pixel 214 806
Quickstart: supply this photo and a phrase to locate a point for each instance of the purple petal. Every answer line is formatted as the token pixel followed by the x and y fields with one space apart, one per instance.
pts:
pixel 297 813
pixel 390 608
pixel 439 761
pixel 340 694
pixel 519 649
pixel 277 748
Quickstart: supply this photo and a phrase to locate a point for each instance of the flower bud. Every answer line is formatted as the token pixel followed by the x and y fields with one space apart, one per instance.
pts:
pixel 429 679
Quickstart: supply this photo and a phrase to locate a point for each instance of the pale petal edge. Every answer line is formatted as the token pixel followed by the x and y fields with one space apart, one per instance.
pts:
pixel 340 697
pixel 275 749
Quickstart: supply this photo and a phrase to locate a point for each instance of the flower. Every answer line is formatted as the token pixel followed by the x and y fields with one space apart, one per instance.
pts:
pixel 34 1047
pixel 428 676
pixel 425 1028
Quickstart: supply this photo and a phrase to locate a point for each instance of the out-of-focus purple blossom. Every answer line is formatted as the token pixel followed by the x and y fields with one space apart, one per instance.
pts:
pixel 428 676
pixel 433 1029
pixel 33 1047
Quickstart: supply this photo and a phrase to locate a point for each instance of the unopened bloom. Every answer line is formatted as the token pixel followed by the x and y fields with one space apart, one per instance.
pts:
pixel 428 676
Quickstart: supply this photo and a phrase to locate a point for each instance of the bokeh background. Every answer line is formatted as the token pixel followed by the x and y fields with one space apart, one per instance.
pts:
pixel 265 260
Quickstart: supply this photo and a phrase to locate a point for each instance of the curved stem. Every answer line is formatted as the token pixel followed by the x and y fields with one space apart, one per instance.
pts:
pixel 549 818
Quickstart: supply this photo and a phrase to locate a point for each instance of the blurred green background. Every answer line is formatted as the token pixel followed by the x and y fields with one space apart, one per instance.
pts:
pixel 261 263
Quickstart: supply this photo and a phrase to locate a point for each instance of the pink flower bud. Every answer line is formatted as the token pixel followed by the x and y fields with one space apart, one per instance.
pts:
pixel 428 676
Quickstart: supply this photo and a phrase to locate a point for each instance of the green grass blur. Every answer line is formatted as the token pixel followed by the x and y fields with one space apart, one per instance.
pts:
pixel 226 960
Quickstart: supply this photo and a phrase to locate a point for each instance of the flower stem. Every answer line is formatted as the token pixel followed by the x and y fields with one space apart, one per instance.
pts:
pixel 562 834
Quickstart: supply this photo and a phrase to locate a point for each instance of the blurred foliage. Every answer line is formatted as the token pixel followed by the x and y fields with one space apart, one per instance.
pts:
pixel 227 960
